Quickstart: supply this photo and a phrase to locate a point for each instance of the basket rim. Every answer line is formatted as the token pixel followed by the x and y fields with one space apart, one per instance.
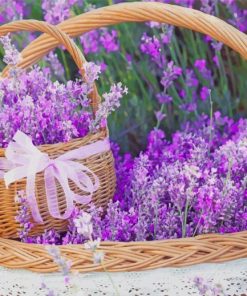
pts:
pixel 128 256
pixel 94 136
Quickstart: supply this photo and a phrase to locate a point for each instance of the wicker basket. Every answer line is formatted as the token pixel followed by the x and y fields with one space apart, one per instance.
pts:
pixel 101 164
pixel 134 255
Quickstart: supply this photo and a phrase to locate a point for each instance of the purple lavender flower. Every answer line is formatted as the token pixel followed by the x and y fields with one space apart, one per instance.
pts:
pixel 55 64
pixel 109 40
pixel 111 103
pixel 90 42
pixel 23 217
pixel 151 46
pixel 170 74
pixel 239 14
pixel 49 112
pixel 163 98
pixel 56 11
pixel 92 72
pixel 160 116
pixel 83 224
pixel 167 35
pixel 201 66
pixel 208 6
pixel 204 93
pixel 96 40
pixel 12 10
pixel 206 287
pixel 12 56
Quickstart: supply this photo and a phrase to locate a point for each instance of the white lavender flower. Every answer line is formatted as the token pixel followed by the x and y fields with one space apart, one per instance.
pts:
pixel 92 244
pixel 12 56
pixel 98 257
pixel 84 225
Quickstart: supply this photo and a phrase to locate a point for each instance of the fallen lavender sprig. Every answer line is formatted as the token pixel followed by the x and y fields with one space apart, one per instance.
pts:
pixel 84 226
pixel 64 265
pixel 207 288
pixel 47 290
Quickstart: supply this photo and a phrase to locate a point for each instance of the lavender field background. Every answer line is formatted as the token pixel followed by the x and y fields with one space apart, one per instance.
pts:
pixel 170 72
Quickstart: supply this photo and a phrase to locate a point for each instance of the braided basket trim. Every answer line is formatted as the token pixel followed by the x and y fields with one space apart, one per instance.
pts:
pixel 130 256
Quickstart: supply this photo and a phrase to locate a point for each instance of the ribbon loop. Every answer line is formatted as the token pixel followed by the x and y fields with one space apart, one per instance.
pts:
pixel 24 160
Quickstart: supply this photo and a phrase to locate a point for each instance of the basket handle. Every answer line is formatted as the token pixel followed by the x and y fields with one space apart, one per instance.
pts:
pixel 140 12
pixel 61 38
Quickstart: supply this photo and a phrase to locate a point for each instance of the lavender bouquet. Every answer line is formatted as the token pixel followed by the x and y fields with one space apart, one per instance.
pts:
pixel 49 111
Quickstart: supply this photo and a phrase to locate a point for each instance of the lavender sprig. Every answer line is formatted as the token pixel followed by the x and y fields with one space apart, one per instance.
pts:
pixel 23 217
pixel 207 288
pixel 111 103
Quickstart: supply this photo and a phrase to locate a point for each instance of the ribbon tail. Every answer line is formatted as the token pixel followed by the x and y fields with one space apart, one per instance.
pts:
pixel 51 194
pixel 90 189
pixel 30 192
pixel 4 166
pixel 87 151
pixel 83 199
pixel 15 174
pixel 84 176
pixel 83 181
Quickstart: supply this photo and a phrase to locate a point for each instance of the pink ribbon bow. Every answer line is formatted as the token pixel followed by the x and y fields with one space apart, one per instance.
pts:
pixel 24 160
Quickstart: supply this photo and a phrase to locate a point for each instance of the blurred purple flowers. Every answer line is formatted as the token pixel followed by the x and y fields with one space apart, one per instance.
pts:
pixel 56 11
pixel 12 10
pixel 97 40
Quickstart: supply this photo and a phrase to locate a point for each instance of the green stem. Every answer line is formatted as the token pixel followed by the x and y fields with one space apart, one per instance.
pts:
pixel 111 280
pixel 228 176
pixel 194 233
pixel 182 60
pixel 233 81
pixel 156 219
pixel 211 121
pixel 185 218
pixel 224 82
pixel 66 66
pixel 192 43
pixel 159 121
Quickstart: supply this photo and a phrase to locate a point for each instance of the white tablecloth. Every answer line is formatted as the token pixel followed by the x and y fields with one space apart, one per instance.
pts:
pixel 166 281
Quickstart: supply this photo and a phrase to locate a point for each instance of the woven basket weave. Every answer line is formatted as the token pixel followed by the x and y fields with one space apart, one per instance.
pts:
pixel 134 255
pixel 101 164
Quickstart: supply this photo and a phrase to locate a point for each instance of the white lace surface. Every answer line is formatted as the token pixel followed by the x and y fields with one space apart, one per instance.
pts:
pixel 161 282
